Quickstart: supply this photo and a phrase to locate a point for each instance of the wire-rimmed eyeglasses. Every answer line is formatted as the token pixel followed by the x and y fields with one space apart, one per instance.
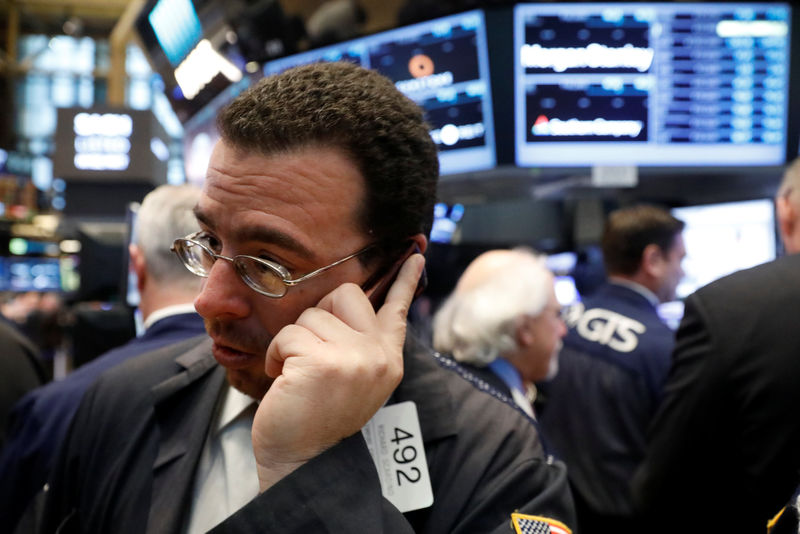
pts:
pixel 263 276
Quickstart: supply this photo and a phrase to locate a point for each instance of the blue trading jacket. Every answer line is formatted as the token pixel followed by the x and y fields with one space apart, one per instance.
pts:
pixel 612 368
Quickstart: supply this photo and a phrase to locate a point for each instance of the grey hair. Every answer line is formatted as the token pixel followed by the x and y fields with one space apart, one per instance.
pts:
pixel 166 214
pixel 477 325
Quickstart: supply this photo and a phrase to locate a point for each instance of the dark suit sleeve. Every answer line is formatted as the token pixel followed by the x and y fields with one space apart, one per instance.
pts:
pixel 676 475
pixel 338 491
pixel 682 424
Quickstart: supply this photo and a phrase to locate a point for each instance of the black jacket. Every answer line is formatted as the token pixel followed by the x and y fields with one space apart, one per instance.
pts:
pixel 134 447
pixel 727 435
pixel 42 417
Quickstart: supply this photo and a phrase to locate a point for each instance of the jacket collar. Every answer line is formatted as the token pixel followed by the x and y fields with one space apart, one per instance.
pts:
pixel 423 382
pixel 184 405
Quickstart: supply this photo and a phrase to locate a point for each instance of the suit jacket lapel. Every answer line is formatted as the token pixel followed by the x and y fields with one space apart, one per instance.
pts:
pixel 184 405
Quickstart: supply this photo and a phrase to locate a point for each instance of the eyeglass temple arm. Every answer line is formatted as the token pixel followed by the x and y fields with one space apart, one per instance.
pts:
pixel 323 269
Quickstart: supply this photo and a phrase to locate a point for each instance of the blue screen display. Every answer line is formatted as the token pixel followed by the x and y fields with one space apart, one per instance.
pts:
pixel 443 65
pixel 445 222
pixel 177 28
pixel 30 274
pixel 651 84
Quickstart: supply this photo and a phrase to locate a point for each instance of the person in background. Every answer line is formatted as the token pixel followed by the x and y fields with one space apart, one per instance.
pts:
pixel 316 197
pixel 41 418
pixel 787 208
pixel 724 447
pixel 503 323
pixel 613 366
pixel 21 370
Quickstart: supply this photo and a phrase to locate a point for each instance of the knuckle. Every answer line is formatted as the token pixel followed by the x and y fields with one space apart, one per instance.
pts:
pixel 310 315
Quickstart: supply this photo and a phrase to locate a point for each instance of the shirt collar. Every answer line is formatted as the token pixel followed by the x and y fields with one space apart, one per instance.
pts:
pixel 639 288
pixel 508 374
pixel 233 406
pixel 166 311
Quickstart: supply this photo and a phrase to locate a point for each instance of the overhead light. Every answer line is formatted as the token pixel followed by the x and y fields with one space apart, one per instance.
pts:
pixel 201 66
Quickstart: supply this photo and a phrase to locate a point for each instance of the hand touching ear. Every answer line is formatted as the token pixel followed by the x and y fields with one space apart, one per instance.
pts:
pixel 333 369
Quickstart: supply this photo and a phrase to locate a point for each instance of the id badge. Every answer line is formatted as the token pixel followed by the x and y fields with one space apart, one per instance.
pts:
pixel 394 441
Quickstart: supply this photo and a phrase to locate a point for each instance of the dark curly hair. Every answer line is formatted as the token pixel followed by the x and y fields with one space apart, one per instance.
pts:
pixel 359 111
pixel 629 230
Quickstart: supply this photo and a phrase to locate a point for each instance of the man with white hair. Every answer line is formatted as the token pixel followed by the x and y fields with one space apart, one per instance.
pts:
pixel 41 418
pixel 503 322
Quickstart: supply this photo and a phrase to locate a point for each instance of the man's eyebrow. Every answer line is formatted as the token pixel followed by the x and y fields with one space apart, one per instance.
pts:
pixel 263 235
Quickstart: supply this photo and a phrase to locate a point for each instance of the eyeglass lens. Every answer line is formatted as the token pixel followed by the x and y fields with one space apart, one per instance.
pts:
pixel 260 276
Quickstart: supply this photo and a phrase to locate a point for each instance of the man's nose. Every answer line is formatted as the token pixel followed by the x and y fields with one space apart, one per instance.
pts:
pixel 224 295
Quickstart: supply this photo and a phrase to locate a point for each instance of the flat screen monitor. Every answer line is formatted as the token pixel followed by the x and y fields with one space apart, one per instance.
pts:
pixel 724 238
pixel 445 222
pixel 562 262
pixel 186 46
pixel 441 64
pixel 566 290
pixel 32 274
pixel 651 84
pixel 177 28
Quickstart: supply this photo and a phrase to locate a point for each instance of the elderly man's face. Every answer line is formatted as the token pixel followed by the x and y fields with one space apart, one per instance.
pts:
pixel 548 329
pixel 296 209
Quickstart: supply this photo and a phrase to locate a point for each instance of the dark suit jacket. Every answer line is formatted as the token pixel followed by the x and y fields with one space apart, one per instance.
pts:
pixel 42 417
pixel 20 371
pixel 132 453
pixel 724 447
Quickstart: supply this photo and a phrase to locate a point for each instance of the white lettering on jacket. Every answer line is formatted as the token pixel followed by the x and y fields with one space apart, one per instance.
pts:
pixel 605 327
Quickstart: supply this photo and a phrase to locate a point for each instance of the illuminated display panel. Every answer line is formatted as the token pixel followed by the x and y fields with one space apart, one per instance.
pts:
pixel 443 65
pixel 107 144
pixel 31 274
pixel 662 84
pixel 723 238
pixel 445 222
pixel 177 28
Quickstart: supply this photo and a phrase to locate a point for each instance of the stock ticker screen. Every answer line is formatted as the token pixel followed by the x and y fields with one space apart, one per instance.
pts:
pixel 662 84
pixel 443 65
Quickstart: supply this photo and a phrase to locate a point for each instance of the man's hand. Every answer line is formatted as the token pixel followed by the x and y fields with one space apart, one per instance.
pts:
pixel 334 368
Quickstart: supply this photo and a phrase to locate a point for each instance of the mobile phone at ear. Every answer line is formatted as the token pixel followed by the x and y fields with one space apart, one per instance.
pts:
pixel 378 295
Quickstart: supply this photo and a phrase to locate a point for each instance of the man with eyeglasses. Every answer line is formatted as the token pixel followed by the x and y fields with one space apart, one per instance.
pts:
pixel 323 181
pixel 727 436
pixel 42 418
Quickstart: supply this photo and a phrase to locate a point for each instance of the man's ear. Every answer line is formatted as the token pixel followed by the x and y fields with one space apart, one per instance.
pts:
pixel 138 264
pixel 653 260
pixel 524 332
pixel 787 216
pixel 421 241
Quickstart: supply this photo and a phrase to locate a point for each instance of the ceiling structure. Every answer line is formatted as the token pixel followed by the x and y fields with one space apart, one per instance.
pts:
pixel 96 18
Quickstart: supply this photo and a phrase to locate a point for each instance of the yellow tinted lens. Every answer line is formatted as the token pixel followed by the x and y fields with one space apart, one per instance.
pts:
pixel 261 276
pixel 196 258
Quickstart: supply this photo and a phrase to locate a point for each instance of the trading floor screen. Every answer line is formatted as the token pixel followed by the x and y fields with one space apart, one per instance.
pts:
pixel 651 84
